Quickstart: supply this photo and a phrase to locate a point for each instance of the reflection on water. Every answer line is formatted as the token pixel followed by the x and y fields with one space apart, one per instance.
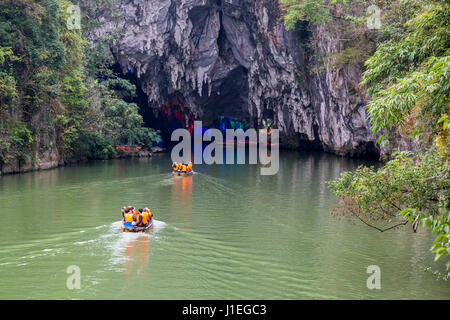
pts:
pixel 136 247
pixel 182 193
pixel 224 233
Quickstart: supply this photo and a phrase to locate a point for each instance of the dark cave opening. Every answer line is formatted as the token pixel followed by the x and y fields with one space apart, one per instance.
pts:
pixel 153 118
pixel 229 98
pixel 367 150
pixel 226 105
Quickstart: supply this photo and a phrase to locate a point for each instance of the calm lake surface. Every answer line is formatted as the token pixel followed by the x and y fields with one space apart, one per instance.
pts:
pixel 225 233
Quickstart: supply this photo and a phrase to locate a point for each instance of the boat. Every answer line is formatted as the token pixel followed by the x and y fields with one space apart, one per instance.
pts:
pixel 134 229
pixel 182 174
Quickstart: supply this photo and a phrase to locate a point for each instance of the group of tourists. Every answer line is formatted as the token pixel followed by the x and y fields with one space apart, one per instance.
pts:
pixel 182 168
pixel 139 220
pixel 136 218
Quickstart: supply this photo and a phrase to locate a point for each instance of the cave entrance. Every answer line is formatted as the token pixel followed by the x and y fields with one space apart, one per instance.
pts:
pixel 228 99
pixel 225 107
pixel 167 118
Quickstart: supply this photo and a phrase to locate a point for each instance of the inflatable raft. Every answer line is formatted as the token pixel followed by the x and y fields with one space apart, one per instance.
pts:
pixel 126 228
pixel 182 174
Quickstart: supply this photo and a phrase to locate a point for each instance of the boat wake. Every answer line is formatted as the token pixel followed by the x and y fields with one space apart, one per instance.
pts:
pixel 116 243
pixel 116 227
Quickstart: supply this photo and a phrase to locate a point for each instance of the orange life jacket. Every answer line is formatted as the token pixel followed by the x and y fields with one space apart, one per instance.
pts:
pixel 184 169
pixel 145 217
pixel 136 216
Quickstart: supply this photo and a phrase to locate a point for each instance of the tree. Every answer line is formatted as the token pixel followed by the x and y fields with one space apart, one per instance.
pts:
pixel 55 84
pixel 411 188
pixel 408 80
pixel 315 11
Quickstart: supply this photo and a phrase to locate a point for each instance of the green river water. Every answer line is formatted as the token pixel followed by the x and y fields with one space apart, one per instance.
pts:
pixel 225 233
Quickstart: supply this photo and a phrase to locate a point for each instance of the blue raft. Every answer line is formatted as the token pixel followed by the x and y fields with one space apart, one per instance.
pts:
pixel 182 174
pixel 128 227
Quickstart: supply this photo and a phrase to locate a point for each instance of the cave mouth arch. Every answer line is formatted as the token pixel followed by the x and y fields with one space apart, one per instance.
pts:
pixel 228 99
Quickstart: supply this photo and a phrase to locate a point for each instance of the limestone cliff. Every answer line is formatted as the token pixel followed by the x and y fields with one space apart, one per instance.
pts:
pixel 202 59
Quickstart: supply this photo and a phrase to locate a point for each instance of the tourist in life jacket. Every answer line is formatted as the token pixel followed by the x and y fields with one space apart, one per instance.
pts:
pixel 128 218
pixel 149 213
pixel 138 218
pixel 146 217
pixel 184 168
pixel 189 167
pixel 175 166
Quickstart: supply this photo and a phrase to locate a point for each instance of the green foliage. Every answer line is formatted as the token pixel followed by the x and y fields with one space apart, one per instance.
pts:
pixel 93 145
pixel 148 137
pixel 22 136
pixel 48 68
pixel 347 21
pixel 15 143
pixel 314 11
pixel 419 182
pixel 408 79
pixel 343 20
pixel 124 89
pixel 124 124
pixel 99 58
pixel 409 188
pixel 8 91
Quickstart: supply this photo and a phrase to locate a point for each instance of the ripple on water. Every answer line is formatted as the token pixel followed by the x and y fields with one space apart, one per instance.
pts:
pixel 230 234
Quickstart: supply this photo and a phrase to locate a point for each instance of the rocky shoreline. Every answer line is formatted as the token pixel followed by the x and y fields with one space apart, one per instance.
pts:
pixel 51 160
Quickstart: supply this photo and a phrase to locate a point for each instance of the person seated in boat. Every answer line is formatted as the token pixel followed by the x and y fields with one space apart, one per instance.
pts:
pixel 184 168
pixel 150 214
pixel 175 166
pixel 138 218
pixel 128 210
pixel 133 211
pixel 189 167
pixel 146 217
pixel 128 218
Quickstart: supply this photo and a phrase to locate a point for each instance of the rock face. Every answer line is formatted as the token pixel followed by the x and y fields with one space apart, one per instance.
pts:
pixel 45 153
pixel 202 59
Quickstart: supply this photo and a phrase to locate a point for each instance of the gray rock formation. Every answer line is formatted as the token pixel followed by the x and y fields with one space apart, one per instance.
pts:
pixel 234 58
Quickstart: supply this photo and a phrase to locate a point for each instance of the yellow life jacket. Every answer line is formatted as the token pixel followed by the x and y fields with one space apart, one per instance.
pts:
pixel 184 169
pixel 128 217
pixel 190 166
